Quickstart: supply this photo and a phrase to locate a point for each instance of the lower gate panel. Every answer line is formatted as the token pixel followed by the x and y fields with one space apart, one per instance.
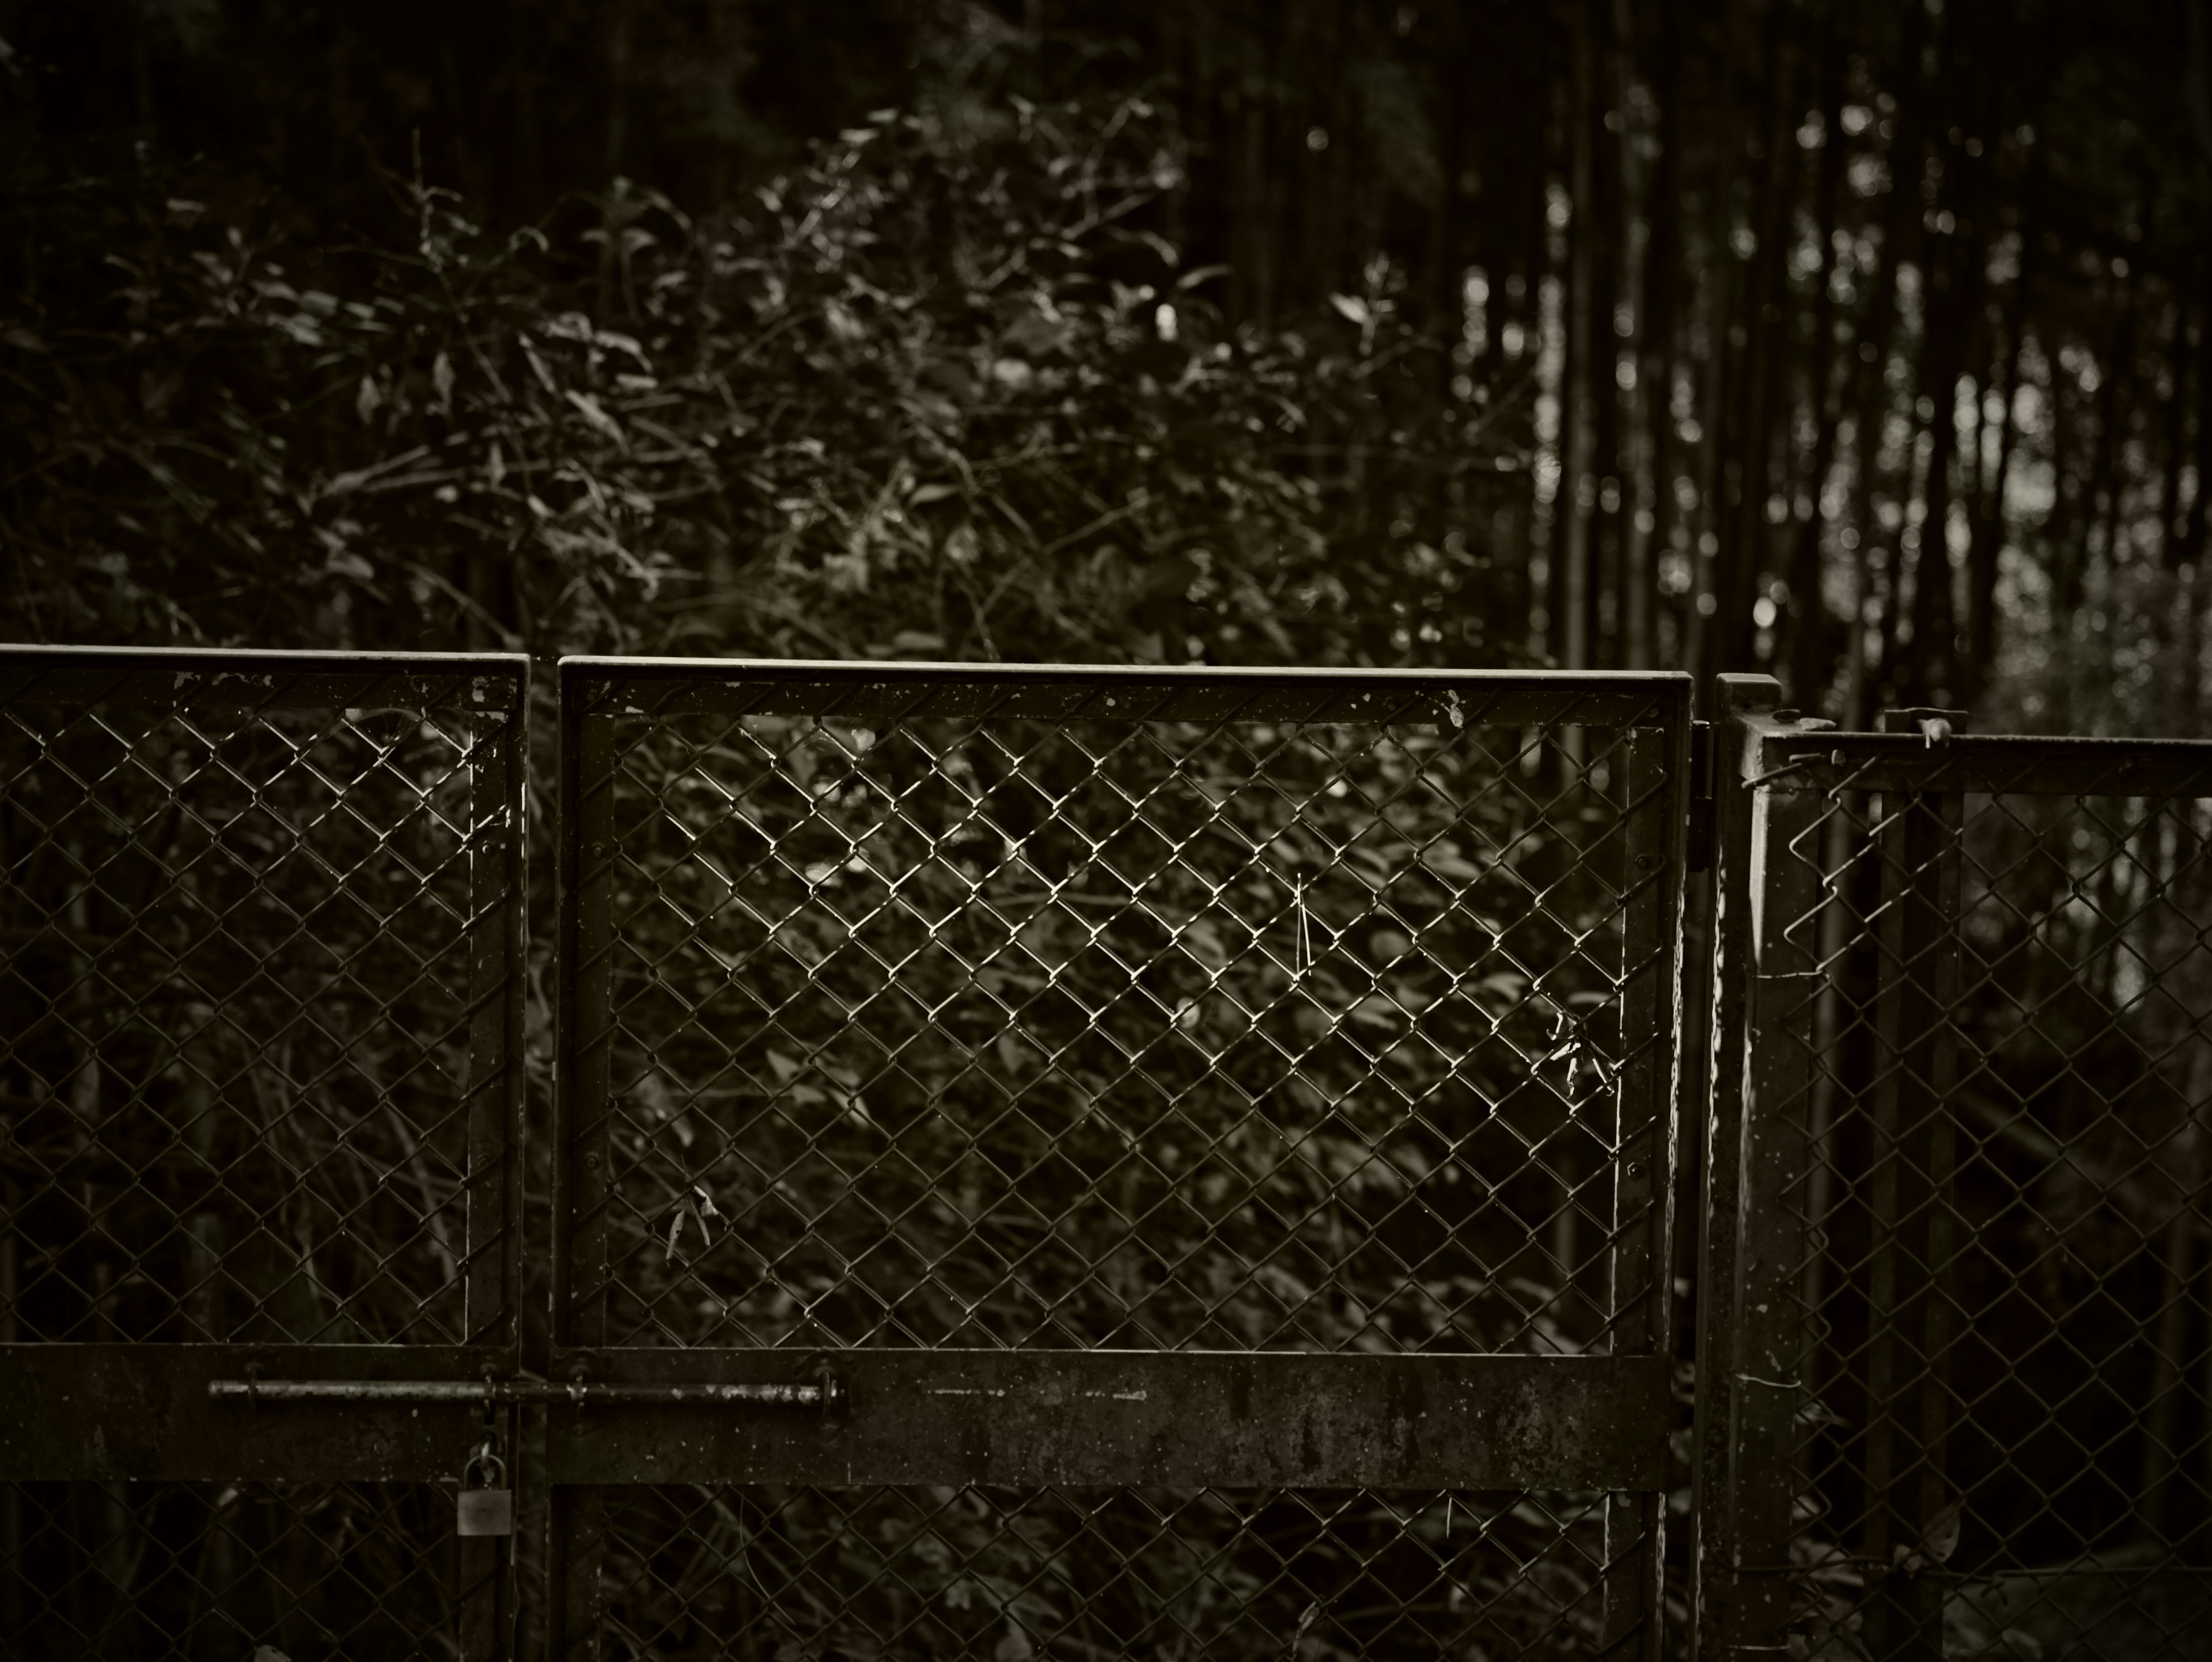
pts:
pixel 273 1572
pixel 784 1572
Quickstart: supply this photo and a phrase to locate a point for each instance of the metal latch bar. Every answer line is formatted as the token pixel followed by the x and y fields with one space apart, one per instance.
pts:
pixel 829 1394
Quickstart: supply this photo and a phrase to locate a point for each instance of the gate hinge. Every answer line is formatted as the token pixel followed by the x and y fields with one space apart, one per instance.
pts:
pixel 1697 844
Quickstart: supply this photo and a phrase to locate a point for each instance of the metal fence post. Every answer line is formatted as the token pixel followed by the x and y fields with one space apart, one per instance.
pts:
pixel 582 1147
pixel 1713 1517
pixel 491 1260
pixel 1912 1161
pixel 1766 901
pixel 1641 1297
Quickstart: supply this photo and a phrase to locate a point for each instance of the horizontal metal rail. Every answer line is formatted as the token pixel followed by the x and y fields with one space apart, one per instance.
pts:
pixel 661 687
pixel 1819 761
pixel 143 1412
pixel 1225 1418
pixel 177 676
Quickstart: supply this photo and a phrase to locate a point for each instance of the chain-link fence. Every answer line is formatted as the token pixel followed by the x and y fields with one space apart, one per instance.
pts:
pixel 258 1013
pixel 764 1572
pixel 994 1011
pixel 1967 1350
pixel 362 1572
pixel 1077 1162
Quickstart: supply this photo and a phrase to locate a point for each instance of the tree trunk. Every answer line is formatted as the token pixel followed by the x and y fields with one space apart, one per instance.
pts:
pixel 2100 495
pixel 1655 491
pixel 1601 358
pixel 1726 277
pixel 1988 535
pixel 2171 531
pixel 1927 677
pixel 1808 659
pixel 1956 264
pixel 1577 497
pixel 2193 540
pixel 1870 379
pixel 1743 535
pixel 618 50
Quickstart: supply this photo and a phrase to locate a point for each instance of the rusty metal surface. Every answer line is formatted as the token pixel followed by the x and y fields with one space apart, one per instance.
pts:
pixel 1124 1078
pixel 1296 1046
pixel 1103 692
pixel 1029 1418
pixel 1958 1340
pixel 261 1082
pixel 576 1394
pixel 144 1412
pixel 128 677
pixel 1999 763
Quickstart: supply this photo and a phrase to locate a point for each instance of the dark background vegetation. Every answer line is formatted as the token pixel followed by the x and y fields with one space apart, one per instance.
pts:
pixel 1595 332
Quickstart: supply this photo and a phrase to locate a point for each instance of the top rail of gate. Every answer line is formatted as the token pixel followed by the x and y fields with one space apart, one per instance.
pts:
pixel 1824 760
pixel 670 687
pixel 222 677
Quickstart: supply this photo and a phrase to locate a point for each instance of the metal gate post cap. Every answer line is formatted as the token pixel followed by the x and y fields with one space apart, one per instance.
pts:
pixel 1743 694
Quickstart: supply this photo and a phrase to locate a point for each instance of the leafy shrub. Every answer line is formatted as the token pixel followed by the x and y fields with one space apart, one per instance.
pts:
pixel 944 392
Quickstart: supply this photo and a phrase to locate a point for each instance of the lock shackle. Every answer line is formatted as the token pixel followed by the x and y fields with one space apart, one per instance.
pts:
pixel 484 1457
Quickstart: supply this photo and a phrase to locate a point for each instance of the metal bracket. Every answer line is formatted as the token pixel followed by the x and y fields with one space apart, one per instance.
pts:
pixel 1697 844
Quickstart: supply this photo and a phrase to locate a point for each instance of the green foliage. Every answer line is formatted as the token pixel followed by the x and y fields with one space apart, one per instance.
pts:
pixel 944 392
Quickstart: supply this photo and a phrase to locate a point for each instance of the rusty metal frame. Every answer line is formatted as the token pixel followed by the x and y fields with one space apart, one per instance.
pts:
pixel 152 1397
pixel 114 1412
pixel 1053 1416
pixel 1745 1339
pixel 1778 928
pixel 604 1415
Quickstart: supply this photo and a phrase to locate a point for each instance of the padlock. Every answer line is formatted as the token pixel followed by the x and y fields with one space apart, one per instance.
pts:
pixel 489 1510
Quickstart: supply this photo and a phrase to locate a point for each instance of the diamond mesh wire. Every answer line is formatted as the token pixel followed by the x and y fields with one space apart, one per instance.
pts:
pixel 990 1031
pixel 2005 1323
pixel 236 1014
pixel 312 1572
pixel 783 1574
pixel 930 1020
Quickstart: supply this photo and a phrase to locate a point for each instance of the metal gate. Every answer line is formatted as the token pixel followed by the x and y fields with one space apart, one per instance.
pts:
pixel 1956 1347
pixel 1076 1162
pixel 1085 1162
pixel 260 1054
pixel 1043 1162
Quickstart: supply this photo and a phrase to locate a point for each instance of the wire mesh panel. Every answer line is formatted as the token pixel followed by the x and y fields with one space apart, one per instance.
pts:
pixel 1979 1049
pixel 215 1573
pixel 260 1076
pixel 963 1027
pixel 967 1010
pixel 761 1573
pixel 243 1052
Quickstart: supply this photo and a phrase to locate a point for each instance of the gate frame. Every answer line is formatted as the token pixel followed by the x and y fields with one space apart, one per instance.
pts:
pixel 129 1411
pixel 1624 1398
pixel 1772 771
pixel 1745 1336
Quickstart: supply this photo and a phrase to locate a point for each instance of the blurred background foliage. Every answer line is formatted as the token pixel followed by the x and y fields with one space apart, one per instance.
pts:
pixel 1865 341
pixel 1598 333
